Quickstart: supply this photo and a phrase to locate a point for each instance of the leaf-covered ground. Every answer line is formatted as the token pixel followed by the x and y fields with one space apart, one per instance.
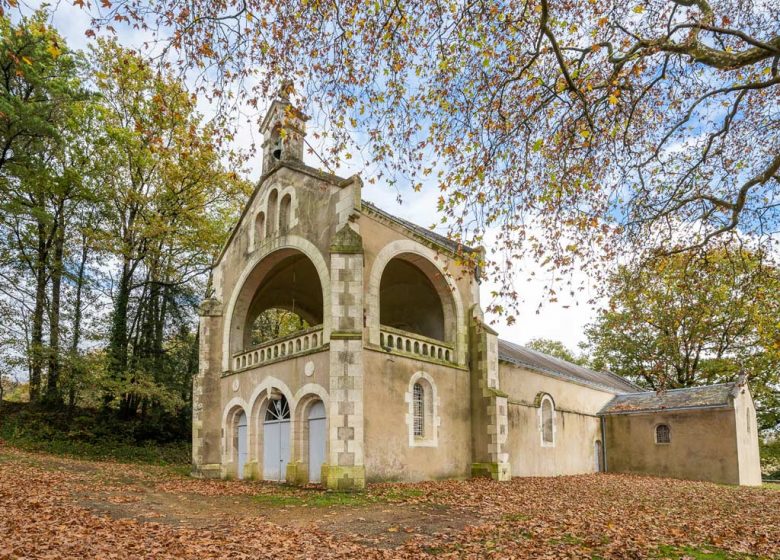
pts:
pixel 52 507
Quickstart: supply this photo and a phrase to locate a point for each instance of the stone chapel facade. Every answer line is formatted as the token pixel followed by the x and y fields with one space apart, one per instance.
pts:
pixel 393 374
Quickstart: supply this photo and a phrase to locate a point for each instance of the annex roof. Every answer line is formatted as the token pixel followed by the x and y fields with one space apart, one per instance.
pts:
pixel 531 359
pixel 709 396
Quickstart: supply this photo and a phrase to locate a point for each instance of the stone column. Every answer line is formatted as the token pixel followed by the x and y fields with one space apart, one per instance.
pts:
pixel 489 425
pixel 345 469
pixel 206 400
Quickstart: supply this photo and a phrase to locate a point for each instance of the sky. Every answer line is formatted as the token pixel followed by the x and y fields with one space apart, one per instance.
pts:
pixel 564 320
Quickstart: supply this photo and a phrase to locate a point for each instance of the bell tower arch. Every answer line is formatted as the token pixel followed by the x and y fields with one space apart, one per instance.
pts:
pixel 283 130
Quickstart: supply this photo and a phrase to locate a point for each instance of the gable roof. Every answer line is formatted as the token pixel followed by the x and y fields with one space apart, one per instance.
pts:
pixel 426 233
pixel 709 396
pixel 537 361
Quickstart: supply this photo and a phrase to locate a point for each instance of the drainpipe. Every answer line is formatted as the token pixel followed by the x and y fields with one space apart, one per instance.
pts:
pixel 604 441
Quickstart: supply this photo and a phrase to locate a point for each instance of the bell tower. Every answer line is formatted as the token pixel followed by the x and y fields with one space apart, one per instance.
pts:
pixel 283 129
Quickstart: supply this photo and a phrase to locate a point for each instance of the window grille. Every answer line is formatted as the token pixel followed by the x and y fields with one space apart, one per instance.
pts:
pixel 418 396
pixel 662 434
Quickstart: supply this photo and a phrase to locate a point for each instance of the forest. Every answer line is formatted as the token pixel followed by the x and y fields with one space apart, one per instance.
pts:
pixel 115 196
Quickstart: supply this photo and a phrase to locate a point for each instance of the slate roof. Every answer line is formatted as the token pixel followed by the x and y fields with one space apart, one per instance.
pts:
pixel 432 236
pixel 531 359
pixel 710 396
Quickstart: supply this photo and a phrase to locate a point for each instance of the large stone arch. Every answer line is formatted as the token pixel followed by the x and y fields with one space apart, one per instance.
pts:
pixel 250 279
pixel 447 290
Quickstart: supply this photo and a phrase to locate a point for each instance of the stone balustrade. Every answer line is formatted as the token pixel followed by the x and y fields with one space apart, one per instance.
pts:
pixel 396 340
pixel 296 343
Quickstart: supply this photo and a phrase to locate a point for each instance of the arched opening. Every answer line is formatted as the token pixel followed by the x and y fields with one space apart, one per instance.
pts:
pixel 259 228
pixel 663 434
pixel 289 299
pixel 598 456
pixel 276 438
pixel 236 441
pixel 414 297
pixel 317 439
pixel 275 323
pixel 285 213
pixel 242 445
pixel 273 206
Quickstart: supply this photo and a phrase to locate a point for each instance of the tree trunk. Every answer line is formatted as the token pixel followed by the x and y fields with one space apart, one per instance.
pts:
pixel 117 349
pixel 36 335
pixel 76 340
pixel 53 395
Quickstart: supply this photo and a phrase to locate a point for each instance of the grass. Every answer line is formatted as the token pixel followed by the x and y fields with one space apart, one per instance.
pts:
pixel 700 553
pixel 85 435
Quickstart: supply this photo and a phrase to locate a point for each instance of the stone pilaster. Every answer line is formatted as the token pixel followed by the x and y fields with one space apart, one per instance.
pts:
pixel 489 425
pixel 345 469
pixel 206 422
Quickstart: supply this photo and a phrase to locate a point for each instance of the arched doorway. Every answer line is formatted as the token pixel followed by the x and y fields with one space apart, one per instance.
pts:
pixel 242 445
pixel 317 440
pixel 276 439
pixel 599 453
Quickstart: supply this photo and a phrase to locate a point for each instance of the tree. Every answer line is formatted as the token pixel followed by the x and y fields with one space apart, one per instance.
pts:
pixel 571 129
pixel 274 323
pixel 42 94
pixel 171 203
pixel 684 323
pixel 556 349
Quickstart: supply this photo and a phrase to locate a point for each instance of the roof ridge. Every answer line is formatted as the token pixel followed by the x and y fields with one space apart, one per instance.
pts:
pixel 615 376
pixel 682 388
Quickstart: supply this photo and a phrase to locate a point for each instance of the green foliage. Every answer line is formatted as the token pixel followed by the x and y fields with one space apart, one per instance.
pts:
pixel 115 199
pixel 39 84
pixel 700 553
pixel 274 323
pixel 90 434
pixel 684 321
pixel 770 458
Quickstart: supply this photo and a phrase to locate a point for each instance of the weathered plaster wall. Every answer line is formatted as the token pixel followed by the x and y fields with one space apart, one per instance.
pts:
pixel 576 425
pixel 747 438
pixel 388 453
pixel 703 445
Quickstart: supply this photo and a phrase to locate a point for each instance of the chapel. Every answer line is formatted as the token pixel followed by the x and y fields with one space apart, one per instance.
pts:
pixel 342 345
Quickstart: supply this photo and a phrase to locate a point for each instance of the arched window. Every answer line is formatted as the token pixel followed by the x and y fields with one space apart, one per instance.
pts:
pixel 285 210
pixel 547 421
pixel 663 434
pixel 418 401
pixel 273 203
pixel 747 419
pixel 259 228
pixel 422 418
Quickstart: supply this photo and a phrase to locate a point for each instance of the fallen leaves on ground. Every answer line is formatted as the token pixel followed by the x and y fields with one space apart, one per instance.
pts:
pixel 43 515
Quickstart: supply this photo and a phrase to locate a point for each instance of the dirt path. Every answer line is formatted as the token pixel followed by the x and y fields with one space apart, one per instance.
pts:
pixel 157 494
